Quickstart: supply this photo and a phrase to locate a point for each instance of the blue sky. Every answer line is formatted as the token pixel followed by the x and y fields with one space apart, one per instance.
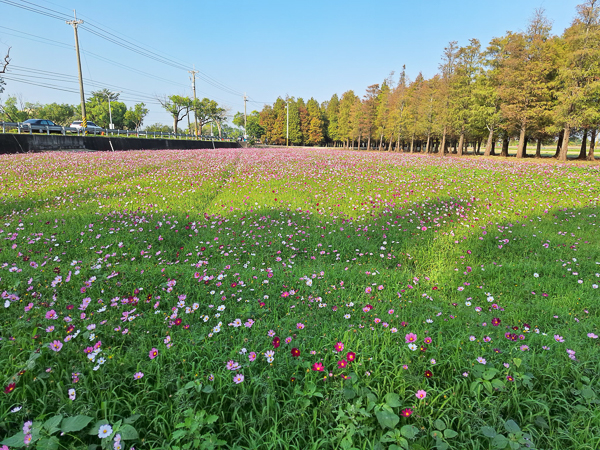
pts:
pixel 264 48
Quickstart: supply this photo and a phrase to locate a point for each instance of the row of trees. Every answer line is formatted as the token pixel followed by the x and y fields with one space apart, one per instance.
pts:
pixel 532 86
pixel 14 109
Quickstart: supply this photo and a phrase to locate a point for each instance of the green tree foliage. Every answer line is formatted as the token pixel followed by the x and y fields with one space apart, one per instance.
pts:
pixel 135 116
pixel 179 107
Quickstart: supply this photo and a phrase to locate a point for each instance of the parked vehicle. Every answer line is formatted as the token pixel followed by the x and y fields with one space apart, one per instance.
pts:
pixel 91 126
pixel 41 125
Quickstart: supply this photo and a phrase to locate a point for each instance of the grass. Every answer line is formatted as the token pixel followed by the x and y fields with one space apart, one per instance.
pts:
pixel 127 253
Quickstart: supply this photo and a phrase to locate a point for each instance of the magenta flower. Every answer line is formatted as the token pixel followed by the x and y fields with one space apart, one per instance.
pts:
pixel 55 345
pixel 421 394
pixel 339 347
pixel 138 375
pixel 410 337
pixel 238 378
pixel 153 353
pixel 368 290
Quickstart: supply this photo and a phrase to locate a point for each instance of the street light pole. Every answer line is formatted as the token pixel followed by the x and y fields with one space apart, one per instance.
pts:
pixel 287 133
pixel 111 126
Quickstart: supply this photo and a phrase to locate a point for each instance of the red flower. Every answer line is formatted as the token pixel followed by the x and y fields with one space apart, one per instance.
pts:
pixel 178 321
pixel 406 412
pixel 11 387
pixel 342 363
pixel 318 367
pixel 351 356
pixel 276 342
pixel 295 352
pixel 428 374
pixel 496 321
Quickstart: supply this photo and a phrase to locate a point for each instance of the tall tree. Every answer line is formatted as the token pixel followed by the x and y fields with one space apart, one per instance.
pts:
pixel 134 117
pixel 332 111
pixel 579 73
pixel 178 106
pixel 447 68
pixel 316 134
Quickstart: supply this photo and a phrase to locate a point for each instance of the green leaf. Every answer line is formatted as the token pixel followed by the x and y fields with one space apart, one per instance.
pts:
pixel 190 385
pixel 541 422
pixel 208 389
pixel 392 399
pixel 441 445
pixel 489 374
pixel 178 434
pixel 586 380
pixel 449 434
pixel 402 445
pixel 128 433
pixel 15 441
pixel 132 419
pixel 488 432
pixel 514 445
pixel 498 384
pixel 52 424
pixel 511 426
pixel 50 443
pixel 409 431
pixel 76 423
pixel 439 424
pixel 211 419
pixel 517 362
pixel 349 393
pixel 488 386
pixel 588 393
pixel 387 419
pixel 499 441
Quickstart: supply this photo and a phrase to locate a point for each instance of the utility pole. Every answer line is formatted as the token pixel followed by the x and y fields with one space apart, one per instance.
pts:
pixel 245 101
pixel 111 126
pixel 76 22
pixel 194 72
pixel 287 133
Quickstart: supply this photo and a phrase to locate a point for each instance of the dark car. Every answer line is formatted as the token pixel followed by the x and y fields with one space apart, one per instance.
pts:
pixel 42 126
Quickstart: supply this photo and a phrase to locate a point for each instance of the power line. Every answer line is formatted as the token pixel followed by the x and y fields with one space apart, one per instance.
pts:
pixel 124 43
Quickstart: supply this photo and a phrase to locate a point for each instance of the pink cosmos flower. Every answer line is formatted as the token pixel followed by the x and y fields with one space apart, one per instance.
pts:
pixel 410 337
pixel 55 345
pixel 299 326
pixel 421 394
pixel 368 290
pixel 339 347
pixel 252 356
pixel 138 375
pixel 153 353
pixel 318 367
pixel 558 338
pixel 238 378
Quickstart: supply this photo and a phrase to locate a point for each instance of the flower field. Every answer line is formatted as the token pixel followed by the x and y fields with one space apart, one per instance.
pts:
pixel 313 299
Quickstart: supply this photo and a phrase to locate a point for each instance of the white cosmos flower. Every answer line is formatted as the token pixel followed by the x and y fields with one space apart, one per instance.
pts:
pixel 104 431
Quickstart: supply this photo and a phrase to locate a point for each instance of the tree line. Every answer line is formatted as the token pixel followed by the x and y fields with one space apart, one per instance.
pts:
pixel 532 86
pixel 14 109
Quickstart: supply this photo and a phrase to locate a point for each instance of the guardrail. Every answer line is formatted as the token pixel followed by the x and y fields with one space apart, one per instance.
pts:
pixel 25 128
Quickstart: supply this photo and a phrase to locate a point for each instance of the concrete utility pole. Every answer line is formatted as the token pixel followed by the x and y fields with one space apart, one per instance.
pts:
pixel 76 22
pixel 111 126
pixel 245 101
pixel 194 72
pixel 287 133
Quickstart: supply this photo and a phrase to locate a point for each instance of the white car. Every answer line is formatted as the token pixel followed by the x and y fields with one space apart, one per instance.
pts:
pixel 91 126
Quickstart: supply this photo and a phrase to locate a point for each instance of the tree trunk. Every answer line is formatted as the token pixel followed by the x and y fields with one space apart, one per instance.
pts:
pixel 590 156
pixel 454 144
pixel 412 143
pixel 488 145
pixel 462 141
pixel 427 149
pixel 175 122
pixel 505 143
pixel 538 149
pixel 558 145
pixel 493 151
pixel 368 143
pixel 521 148
pixel 398 149
pixel 381 142
pixel 478 152
pixel 443 144
pixel 583 151
pixel 565 145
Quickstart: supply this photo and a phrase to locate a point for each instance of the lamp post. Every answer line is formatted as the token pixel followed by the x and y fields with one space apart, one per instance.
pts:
pixel 287 133
pixel 108 95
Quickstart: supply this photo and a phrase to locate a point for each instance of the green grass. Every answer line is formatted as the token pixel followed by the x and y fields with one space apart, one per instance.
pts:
pixel 454 244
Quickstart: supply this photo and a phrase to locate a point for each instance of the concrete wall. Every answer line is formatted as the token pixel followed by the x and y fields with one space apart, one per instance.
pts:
pixel 33 143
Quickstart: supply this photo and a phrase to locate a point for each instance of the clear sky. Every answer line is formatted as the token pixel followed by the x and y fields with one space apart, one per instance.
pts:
pixel 266 48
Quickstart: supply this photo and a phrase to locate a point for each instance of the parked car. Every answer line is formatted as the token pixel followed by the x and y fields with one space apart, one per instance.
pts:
pixel 91 126
pixel 41 125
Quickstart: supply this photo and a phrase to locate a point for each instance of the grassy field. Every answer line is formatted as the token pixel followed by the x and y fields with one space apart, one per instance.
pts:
pixel 298 299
